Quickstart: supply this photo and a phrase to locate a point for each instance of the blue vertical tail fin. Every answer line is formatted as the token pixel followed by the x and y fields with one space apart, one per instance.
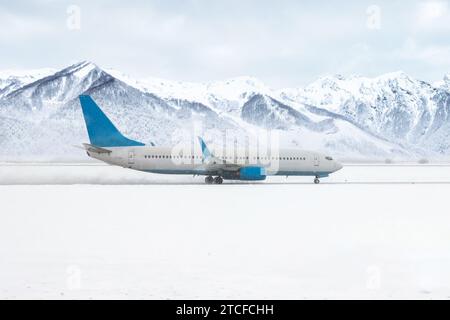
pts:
pixel 101 130
pixel 205 151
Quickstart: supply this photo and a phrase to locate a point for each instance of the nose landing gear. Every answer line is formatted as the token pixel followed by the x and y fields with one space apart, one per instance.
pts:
pixel 316 180
pixel 211 180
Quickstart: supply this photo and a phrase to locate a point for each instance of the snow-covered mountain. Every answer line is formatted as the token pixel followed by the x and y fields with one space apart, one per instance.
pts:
pixel 11 80
pixel 394 106
pixel 444 84
pixel 391 116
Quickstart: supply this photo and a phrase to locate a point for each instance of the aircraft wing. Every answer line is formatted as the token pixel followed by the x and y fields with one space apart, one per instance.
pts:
pixel 214 164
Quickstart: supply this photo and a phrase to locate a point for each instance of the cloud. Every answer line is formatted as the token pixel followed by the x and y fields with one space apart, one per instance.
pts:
pixel 431 10
pixel 434 55
pixel 433 15
pixel 17 28
pixel 288 43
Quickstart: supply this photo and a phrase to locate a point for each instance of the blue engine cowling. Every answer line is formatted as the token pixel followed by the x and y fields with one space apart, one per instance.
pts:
pixel 252 173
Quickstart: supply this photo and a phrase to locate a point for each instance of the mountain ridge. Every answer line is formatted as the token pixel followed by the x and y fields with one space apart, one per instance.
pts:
pixel 346 116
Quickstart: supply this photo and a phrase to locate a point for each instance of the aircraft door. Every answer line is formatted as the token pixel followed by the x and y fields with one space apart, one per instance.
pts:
pixel 316 161
pixel 130 157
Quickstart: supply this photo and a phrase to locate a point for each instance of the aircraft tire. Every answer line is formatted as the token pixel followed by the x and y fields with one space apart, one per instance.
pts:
pixel 209 180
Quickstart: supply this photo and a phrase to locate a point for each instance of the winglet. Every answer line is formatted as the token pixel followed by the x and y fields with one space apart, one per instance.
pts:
pixel 205 151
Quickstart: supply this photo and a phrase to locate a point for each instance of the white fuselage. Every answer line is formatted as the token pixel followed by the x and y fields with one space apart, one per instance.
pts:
pixel 165 160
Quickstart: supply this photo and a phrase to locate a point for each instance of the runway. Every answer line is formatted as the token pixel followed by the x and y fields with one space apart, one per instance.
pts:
pixel 102 174
pixel 100 232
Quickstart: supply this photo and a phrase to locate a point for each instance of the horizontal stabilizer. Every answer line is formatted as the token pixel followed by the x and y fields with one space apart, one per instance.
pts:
pixel 92 148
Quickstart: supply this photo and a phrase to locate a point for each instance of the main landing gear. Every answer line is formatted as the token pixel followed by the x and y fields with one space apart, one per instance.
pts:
pixel 211 180
pixel 316 180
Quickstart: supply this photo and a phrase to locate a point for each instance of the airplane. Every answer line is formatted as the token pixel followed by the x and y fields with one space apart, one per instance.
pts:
pixel 109 145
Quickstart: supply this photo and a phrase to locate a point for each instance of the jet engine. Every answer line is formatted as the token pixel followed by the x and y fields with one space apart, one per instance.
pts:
pixel 252 173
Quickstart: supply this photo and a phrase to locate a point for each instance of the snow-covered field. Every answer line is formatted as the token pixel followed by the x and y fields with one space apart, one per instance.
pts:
pixel 94 231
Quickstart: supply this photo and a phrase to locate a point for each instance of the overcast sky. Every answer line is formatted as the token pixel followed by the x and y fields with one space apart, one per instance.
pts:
pixel 284 43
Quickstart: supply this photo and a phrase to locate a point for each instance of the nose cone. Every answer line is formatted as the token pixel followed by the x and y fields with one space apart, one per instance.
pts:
pixel 338 166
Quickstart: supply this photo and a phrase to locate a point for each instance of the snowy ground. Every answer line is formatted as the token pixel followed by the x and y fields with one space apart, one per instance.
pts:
pixel 94 231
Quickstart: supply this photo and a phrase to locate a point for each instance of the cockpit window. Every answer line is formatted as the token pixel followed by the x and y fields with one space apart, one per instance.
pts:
pixel 328 158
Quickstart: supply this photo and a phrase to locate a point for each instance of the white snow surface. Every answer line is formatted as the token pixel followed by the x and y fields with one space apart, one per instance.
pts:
pixel 107 232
